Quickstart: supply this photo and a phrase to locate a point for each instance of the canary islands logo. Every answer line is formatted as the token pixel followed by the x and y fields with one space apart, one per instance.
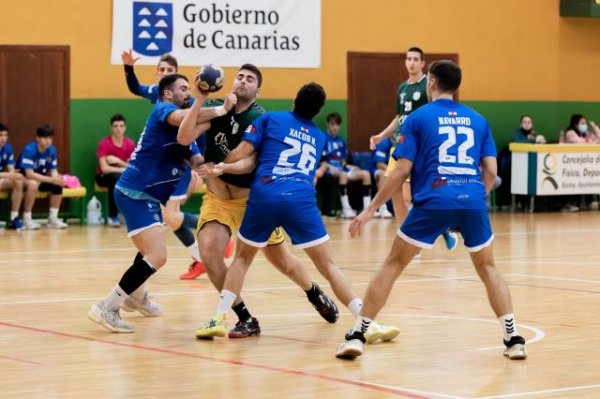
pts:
pixel 549 169
pixel 152 28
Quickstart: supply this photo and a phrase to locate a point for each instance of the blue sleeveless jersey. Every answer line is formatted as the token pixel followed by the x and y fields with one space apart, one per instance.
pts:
pixel 446 141
pixel 159 161
pixel 289 148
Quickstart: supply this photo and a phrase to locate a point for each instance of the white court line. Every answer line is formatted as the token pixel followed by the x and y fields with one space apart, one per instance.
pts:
pixel 542 392
pixel 80 251
pixel 538 334
pixel 195 292
pixel 578 280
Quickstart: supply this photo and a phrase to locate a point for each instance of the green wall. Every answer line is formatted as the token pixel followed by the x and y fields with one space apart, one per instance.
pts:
pixel 90 122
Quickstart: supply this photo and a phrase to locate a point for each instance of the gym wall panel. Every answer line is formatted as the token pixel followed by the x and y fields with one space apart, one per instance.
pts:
pixel 510 50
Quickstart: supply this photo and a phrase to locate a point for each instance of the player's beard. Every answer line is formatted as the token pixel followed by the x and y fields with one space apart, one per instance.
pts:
pixel 186 103
pixel 243 95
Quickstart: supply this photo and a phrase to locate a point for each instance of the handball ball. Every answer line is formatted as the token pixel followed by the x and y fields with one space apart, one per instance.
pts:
pixel 210 78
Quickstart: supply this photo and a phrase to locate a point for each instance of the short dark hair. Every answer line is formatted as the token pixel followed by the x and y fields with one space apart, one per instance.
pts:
pixel 169 59
pixel 3 127
pixel 525 116
pixel 254 69
pixel 335 117
pixel 166 83
pixel 117 118
pixel 309 100
pixel 417 50
pixel 447 74
pixel 575 118
pixel 44 131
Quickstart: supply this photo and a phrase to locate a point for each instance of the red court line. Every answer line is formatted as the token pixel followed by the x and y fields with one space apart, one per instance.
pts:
pixel 16 359
pixel 367 385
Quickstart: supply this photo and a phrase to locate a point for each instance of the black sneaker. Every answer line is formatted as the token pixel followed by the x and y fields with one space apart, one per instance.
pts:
pixel 245 329
pixel 324 305
pixel 515 348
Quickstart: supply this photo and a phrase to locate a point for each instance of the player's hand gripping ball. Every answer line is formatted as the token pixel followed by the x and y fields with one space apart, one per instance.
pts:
pixel 210 78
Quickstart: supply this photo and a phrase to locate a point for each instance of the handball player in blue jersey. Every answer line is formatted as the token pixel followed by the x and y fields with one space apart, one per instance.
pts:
pixel 155 169
pixel 286 148
pixel 182 223
pixel 449 153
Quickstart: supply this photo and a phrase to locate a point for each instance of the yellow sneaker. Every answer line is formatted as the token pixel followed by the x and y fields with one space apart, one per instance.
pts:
pixel 216 327
pixel 381 331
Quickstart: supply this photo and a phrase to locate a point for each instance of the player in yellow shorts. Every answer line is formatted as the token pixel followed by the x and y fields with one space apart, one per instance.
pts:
pixel 224 204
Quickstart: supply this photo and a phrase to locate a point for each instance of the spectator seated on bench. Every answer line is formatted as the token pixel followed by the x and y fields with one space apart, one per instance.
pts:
pixel 113 154
pixel 38 163
pixel 335 164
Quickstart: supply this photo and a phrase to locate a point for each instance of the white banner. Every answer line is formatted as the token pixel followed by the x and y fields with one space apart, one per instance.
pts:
pixel 268 33
pixel 568 173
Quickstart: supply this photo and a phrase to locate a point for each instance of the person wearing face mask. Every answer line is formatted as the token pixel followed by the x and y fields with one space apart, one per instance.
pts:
pixel 526 134
pixel 578 133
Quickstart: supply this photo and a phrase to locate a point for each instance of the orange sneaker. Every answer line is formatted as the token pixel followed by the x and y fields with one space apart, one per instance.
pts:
pixel 229 249
pixel 195 270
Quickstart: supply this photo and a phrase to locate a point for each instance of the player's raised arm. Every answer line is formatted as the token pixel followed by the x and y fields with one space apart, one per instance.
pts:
pixel 189 129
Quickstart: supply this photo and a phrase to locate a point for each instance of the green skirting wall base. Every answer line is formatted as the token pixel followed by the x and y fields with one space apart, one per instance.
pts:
pixel 90 121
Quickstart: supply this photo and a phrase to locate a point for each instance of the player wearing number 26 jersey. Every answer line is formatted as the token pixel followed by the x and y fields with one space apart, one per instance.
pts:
pixel 282 193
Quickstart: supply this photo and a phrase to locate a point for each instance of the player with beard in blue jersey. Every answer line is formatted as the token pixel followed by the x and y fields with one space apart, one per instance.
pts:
pixel 450 155
pixel 154 171
pixel 286 147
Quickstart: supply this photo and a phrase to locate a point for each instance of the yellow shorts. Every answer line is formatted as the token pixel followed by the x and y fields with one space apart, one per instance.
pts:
pixel 392 164
pixel 229 213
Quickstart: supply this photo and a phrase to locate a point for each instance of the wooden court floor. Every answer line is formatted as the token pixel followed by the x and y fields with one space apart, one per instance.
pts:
pixel 449 347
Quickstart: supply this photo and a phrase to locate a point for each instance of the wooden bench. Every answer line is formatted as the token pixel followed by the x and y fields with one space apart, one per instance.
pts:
pixel 72 193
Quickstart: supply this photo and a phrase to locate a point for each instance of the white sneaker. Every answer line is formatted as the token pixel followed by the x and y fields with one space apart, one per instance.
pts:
pixel 145 306
pixel 56 223
pixel 348 213
pixel 109 319
pixel 384 213
pixel 351 346
pixel 31 225
pixel 515 348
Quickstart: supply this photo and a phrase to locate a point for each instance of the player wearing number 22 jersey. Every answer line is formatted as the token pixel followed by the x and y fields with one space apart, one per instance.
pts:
pixel 282 193
pixel 446 141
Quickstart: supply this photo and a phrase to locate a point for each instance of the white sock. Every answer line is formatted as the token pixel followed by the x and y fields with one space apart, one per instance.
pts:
pixel 361 324
pixel 195 251
pixel 53 213
pixel 355 306
pixel 366 201
pixel 138 294
pixel 27 216
pixel 508 325
pixel 345 202
pixel 226 301
pixel 116 297
pixel 13 214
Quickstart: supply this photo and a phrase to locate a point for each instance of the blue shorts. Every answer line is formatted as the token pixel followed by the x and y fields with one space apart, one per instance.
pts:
pixel 182 187
pixel 423 226
pixel 140 214
pixel 301 221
